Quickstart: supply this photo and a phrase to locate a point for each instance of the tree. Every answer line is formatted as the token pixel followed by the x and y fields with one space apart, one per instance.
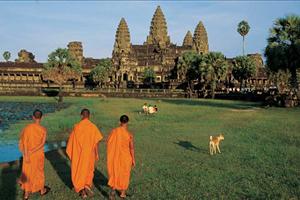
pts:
pixel 187 69
pixel 213 69
pixel 6 55
pixel 281 79
pixel 185 61
pixel 101 72
pixel 283 49
pixel 243 29
pixel 60 68
pixel 149 76
pixel 243 69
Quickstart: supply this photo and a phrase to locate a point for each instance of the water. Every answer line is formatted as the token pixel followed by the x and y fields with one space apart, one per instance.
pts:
pixel 12 112
pixel 10 152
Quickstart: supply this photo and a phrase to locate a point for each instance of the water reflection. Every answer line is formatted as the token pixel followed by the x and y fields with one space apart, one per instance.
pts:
pixel 12 112
pixel 10 152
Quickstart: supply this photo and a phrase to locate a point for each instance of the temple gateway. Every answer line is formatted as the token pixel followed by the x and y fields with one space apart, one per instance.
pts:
pixel 130 61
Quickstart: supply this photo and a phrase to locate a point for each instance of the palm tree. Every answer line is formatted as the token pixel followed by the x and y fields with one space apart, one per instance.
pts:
pixel 282 51
pixel 213 68
pixel 243 69
pixel 6 55
pixel 243 29
pixel 187 69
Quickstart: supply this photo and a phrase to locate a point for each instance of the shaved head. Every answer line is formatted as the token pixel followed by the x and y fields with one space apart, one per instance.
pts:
pixel 37 114
pixel 85 113
pixel 124 119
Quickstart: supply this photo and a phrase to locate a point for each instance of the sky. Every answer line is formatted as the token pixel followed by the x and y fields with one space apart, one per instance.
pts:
pixel 42 26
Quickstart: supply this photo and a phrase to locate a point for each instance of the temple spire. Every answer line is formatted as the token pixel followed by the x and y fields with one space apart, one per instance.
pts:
pixel 200 40
pixel 188 40
pixel 158 30
pixel 122 41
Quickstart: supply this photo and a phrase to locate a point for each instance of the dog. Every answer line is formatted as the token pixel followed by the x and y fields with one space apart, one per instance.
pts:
pixel 214 142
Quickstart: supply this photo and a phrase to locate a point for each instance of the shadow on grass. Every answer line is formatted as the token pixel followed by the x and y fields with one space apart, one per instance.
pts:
pixel 59 162
pixel 213 103
pixel 10 173
pixel 100 181
pixel 188 146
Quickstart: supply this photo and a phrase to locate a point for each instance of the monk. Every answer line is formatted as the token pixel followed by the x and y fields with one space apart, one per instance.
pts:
pixel 82 149
pixel 31 144
pixel 120 158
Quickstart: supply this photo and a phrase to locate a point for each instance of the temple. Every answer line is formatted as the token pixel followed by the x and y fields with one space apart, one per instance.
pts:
pixel 130 61
pixel 25 72
pixel 157 53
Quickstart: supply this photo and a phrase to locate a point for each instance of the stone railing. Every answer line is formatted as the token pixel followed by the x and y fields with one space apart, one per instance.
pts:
pixel 131 93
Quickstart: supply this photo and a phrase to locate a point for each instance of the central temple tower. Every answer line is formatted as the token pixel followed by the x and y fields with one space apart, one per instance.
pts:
pixel 158 30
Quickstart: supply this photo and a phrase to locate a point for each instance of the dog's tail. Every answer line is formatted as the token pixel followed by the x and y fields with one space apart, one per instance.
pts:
pixel 210 138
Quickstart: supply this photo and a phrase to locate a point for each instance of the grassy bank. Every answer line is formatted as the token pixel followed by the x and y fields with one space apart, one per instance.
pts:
pixel 260 154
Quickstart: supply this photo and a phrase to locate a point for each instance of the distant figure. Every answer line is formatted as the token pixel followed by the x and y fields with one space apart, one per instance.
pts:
pixel 120 158
pixel 145 108
pixel 153 109
pixel 82 149
pixel 31 144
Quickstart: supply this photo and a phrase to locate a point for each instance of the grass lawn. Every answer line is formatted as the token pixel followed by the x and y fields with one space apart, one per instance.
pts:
pixel 260 156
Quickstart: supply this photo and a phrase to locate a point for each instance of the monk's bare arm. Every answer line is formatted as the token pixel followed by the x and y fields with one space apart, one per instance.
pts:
pixel 131 147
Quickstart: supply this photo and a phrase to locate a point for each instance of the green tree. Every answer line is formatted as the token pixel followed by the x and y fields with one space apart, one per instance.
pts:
pixel 213 69
pixel 243 69
pixel 101 72
pixel 60 68
pixel 6 55
pixel 283 49
pixel 243 29
pixel 281 79
pixel 186 61
pixel 187 69
pixel 149 76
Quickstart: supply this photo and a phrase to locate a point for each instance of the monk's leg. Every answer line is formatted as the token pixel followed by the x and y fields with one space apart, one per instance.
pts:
pixel 90 175
pixel 39 174
pixel 89 180
pixel 112 194
pixel 123 194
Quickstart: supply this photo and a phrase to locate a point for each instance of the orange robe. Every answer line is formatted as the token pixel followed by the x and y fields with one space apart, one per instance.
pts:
pixel 83 152
pixel 119 160
pixel 32 177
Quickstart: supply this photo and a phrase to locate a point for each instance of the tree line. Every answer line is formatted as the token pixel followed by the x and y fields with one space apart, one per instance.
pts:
pixel 282 61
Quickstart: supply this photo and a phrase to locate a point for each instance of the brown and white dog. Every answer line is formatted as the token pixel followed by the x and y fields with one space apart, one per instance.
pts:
pixel 214 142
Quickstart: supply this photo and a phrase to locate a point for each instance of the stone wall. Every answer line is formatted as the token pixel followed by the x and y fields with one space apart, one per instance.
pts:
pixel 123 93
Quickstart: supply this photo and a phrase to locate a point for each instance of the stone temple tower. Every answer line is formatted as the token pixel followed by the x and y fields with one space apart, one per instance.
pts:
pixel 122 55
pixel 122 41
pixel 200 40
pixel 158 30
pixel 188 40
pixel 75 49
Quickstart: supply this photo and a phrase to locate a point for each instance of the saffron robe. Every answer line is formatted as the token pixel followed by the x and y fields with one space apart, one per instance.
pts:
pixel 119 159
pixel 82 151
pixel 32 177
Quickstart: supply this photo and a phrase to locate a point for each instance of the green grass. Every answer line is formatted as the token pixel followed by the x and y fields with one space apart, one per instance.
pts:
pixel 259 160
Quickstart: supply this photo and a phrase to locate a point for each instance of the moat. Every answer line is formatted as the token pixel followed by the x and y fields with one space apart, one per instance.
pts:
pixel 13 112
